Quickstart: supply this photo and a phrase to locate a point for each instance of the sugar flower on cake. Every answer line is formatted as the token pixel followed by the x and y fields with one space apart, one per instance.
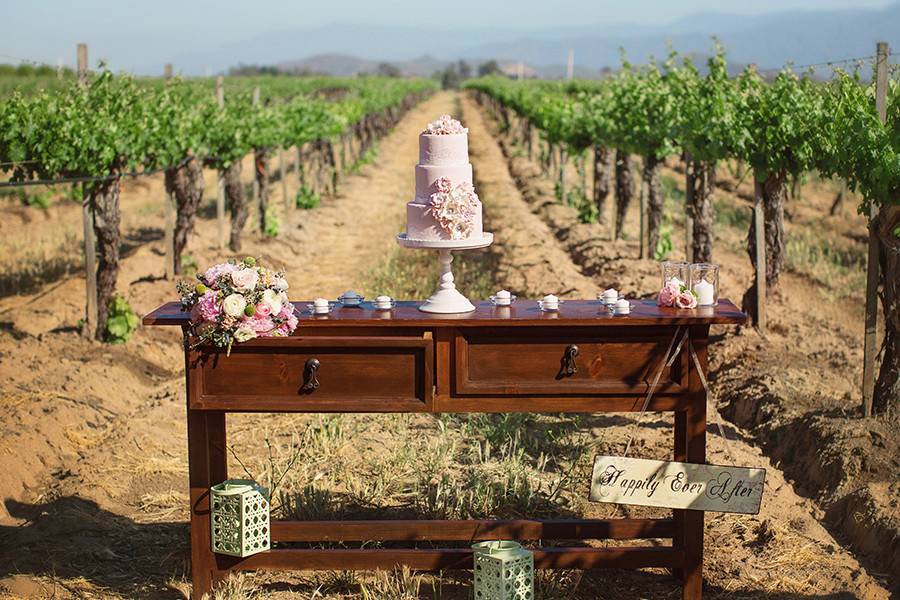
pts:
pixel 238 301
pixel 455 208
pixel 445 125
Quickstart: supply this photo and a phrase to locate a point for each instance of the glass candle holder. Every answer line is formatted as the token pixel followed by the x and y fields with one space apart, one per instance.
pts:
pixel 705 283
pixel 675 271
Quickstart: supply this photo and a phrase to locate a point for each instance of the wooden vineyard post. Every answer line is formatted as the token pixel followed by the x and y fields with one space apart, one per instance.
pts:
pixel 282 172
pixel 759 226
pixel 256 190
pixel 872 267
pixel 643 205
pixel 87 221
pixel 688 210
pixel 169 213
pixel 220 196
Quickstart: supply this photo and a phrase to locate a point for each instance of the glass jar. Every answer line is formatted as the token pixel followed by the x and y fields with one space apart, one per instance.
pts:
pixel 705 283
pixel 675 271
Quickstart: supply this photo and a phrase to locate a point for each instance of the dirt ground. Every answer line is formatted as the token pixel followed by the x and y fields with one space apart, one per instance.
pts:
pixel 92 439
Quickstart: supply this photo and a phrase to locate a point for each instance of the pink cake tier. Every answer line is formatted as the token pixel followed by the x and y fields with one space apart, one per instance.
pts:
pixel 440 156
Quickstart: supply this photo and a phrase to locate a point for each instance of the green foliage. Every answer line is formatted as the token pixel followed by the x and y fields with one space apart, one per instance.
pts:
pixel 273 225
pixel 189 266
pixel 664 246
pixel 122 321
pixel 788 125
pixel 368 157
pixel 306 198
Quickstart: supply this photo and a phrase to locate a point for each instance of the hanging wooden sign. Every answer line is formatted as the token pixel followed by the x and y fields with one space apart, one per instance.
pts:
pixel 668 484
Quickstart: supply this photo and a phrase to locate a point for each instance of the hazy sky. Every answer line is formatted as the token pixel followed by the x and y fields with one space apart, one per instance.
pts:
pixel 141 32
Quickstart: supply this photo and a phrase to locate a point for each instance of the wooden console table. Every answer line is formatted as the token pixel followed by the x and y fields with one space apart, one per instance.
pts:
pixel 513 359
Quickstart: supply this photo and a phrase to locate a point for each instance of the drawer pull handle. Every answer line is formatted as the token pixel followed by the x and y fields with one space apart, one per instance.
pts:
pixel 569 367
pixel 310 379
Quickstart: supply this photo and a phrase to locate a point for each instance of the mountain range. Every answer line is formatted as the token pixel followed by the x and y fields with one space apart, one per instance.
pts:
pixel 769 40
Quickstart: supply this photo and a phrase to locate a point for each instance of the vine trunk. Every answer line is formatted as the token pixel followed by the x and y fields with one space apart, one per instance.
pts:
pixel 887 387
pixel 237 202
pixel 602 163
pixel 655 200
pixel 774 191
pixel 185 184
pixel 104 199
pixel 624 189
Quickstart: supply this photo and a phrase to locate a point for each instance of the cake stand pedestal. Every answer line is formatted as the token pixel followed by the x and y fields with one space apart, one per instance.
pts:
pixel 447 299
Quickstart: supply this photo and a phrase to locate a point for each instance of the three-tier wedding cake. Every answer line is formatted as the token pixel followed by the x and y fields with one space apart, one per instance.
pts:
pixel 446 206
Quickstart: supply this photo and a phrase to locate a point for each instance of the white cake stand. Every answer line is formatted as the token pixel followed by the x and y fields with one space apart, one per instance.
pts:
pixel 447 299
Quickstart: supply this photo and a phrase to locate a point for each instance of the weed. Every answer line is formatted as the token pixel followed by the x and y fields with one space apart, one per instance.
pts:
pixel 671 189
pixel 306 198
pixel 392 585
pixel 664 246
pixel 368 157
pixel 273 225
pixel 121 322
pixel 237 587
pixel 189 266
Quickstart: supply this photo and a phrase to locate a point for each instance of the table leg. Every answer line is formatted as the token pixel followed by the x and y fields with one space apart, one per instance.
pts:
pixel 680 455
pixel 695 447
pixel 207 467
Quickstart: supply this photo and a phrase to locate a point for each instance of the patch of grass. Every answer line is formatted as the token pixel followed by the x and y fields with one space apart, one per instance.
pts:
pixel 368 157
pixel 39 261
pixel 733 215
pixel 671 189
pixel 400 584
pixel 838 266
pixel 307 199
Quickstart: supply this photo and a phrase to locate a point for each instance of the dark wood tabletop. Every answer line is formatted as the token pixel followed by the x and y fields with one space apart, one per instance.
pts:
pixel 522 312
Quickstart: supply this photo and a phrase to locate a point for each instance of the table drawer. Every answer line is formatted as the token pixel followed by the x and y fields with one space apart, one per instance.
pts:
pixel 322 374
pixel 539 361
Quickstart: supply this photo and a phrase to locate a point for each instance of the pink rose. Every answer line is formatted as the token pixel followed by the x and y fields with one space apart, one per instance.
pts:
pixel 686 299
pixel 244 280
pixel 263 326
pixel 668 294
pixel 287 311
pixel 207 308
pixel 263 309
pixel 213 273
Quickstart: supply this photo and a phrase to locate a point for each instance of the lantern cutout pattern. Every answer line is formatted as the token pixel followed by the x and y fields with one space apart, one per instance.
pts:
pixel 503 571
pixel 240 518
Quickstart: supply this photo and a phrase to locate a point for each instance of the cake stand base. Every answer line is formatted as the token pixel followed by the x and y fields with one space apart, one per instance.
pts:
pixel 447 299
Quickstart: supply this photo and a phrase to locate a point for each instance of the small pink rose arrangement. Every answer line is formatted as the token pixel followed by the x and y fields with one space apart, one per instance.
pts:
pixel 677 294
pixel 238 301
pixel 445 125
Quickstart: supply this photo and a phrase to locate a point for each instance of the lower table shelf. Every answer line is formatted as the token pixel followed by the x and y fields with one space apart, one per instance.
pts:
pixel 630 557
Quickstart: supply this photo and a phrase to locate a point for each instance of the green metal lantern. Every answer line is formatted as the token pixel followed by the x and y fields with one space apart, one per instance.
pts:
pixel 240 518
pixel 503 571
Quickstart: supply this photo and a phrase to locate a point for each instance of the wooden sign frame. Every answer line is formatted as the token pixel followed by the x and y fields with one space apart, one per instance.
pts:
pixel 670 484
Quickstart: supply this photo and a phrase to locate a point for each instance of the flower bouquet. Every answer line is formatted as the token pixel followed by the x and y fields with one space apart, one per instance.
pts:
pixel 676 294
pixel 238 301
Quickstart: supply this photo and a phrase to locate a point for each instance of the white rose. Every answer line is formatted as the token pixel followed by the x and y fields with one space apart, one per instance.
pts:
pixel 273 299
pixel 281 284
pixel 234 305
pixel 244 280
pixel 244 333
